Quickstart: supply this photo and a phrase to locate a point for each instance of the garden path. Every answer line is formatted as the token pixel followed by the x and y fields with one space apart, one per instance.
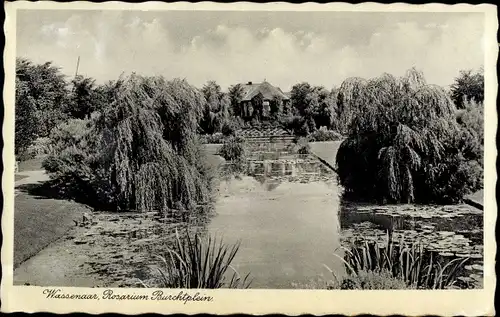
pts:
pixel 39 221
pixel 32 177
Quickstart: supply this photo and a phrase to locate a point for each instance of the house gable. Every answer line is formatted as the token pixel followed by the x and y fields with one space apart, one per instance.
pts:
pixel 268 91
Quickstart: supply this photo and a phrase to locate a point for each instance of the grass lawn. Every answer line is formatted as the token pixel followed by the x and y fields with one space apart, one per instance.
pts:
pixel 39 222
pixel 211 149
pixel 19 177
pixel 31 165
pixel 326 150
pixel 476 199
pixel 214 160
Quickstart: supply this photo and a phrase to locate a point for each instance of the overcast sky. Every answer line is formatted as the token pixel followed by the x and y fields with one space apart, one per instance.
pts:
pixel 322 48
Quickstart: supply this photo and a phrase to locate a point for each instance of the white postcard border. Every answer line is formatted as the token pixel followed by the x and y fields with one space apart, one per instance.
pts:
pixel 290 302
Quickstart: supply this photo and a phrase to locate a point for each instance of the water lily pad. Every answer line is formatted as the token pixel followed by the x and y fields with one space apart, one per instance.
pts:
pixel 477 267
pixel 446 233
pixel 476 277
pixel 465 279
pixel 427 227
pixel 363 209
pixel 434 246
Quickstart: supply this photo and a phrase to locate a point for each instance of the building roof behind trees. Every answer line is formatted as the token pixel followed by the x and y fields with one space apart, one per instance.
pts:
pixel 268 91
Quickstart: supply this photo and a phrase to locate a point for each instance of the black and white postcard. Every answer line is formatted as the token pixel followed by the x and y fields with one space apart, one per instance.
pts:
pixel 249 158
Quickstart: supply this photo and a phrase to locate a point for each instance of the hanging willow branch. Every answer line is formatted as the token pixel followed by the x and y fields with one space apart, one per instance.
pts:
pixel 148 141
pixel 402 136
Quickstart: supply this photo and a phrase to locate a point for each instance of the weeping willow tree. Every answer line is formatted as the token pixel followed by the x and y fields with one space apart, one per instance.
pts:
pixel 217 113
pixel 348 97
pixel 145 153
pixel 404 143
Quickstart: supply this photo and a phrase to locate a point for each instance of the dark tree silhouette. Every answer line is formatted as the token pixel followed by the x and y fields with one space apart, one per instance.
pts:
pixel 468 86
pixel 41 94
pixel 404 143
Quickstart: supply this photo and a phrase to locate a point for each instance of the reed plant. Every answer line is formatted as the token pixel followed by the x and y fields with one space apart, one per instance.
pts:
pixel 408 262
pixel 193 263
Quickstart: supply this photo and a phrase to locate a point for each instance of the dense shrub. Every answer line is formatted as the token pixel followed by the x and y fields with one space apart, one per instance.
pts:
pixel 304 149
pixel 296 124
pixel 45 98
pixel 69 149
pixel 72 133
pixel 144 152
pixel 404 143
pixel 323 134
pixel 471 119
pixel 41 94
pixel 216 138
pixel 26 119
pixel 229 127
pixel 39 147
pixel 233 149
pixel 70 162
pixel 468 87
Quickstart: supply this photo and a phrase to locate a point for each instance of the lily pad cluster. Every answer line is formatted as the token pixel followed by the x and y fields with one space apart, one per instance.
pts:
pixel 444 244
pixel 418 211
pixel 460 219
pixel 120 249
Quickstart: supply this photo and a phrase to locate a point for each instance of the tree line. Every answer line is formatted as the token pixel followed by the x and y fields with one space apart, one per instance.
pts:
pixel 45 97
pixel 405 140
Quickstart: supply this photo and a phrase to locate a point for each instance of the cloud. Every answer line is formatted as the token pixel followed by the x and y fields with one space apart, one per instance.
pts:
pixel 110 43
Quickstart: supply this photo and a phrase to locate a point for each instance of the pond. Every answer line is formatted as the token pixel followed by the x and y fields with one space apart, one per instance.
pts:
pixel 285 213
pixel 288 215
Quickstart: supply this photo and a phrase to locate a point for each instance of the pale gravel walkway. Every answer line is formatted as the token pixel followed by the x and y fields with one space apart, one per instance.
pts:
pixel 38 221
pixel 33 177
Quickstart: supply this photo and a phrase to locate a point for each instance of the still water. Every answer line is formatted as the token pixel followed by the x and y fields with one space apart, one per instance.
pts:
pixel 285 213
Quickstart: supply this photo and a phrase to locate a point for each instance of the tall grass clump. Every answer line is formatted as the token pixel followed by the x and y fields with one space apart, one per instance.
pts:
pixel 144 153
pixel 404 143
pixel 193 263
pixel 402 261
